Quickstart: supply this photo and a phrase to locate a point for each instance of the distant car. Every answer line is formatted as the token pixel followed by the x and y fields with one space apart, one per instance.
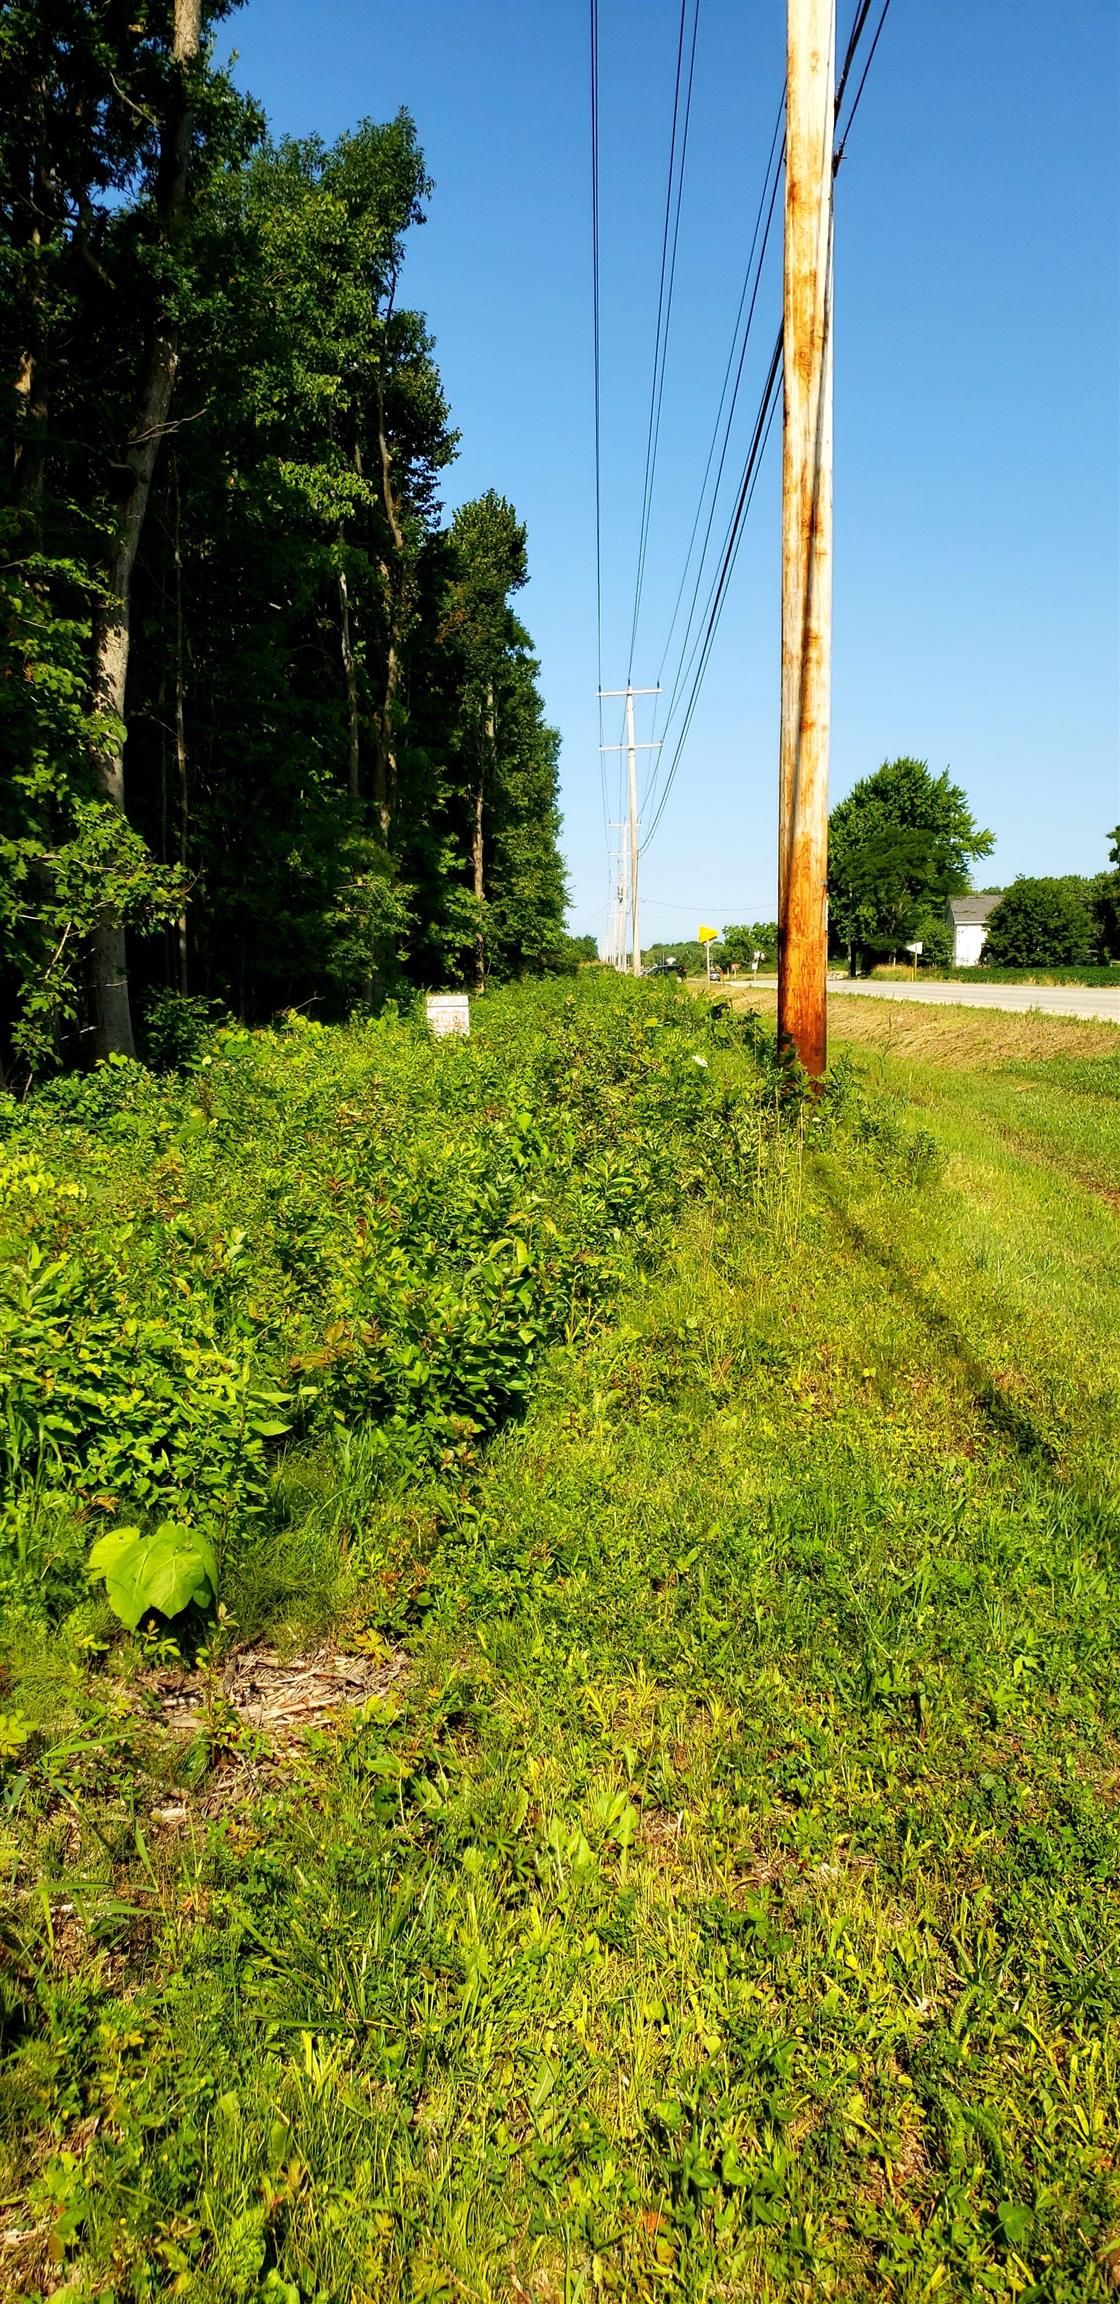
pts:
pixel 665 968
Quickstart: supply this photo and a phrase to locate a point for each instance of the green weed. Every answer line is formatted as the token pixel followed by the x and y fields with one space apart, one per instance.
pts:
pixel 721 1903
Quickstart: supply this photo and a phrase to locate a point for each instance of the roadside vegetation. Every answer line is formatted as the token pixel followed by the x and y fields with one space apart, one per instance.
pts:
pixel 1107 973
pixel 714 1893
pixel 1066 922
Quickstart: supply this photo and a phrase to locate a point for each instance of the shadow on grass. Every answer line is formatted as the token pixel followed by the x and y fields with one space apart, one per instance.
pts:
pixel 999 1411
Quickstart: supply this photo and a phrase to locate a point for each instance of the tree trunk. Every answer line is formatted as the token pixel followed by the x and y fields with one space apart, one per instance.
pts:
pixel 385 765
pixel 350 675
pixel 31 416
pixel 30 431
pixel 479 935
pixel 112 1012
pixel 181 759
pixel 385 780
pixel 477 848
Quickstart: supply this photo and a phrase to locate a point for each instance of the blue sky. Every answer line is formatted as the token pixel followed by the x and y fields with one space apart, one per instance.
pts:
pixel 977 543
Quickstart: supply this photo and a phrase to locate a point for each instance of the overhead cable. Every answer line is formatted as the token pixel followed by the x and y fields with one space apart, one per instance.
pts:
pixel 839 153
pixel 742 346
pixel 674 192
pixel 701 651
pixel 594 28
pixel 688 641
pixel 862 12
pixel 767 408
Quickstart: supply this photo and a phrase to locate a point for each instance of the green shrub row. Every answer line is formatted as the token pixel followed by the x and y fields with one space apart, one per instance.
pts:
pixel 325 1231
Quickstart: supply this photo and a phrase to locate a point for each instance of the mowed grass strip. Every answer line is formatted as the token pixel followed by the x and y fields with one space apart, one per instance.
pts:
pixel 724 1904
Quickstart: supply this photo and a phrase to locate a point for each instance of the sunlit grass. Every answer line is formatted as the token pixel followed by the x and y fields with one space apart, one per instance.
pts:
pixel 724 1904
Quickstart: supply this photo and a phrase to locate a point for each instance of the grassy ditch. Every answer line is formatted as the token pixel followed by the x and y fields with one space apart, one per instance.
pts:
pixel 716 1898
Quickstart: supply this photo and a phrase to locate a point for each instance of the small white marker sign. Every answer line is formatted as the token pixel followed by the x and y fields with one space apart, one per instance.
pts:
pixel 449 1012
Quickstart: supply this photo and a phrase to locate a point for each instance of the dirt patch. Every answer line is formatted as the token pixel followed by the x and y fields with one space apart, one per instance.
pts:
pixel 278 1697
pixel 25 2263
pixel 661 1832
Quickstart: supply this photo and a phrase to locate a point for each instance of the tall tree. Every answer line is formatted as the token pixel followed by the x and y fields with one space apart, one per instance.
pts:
pixel 899 846
pixel 227 440
pixel 90 112
pixel 489 547
pixel 155 384
pixel 311 498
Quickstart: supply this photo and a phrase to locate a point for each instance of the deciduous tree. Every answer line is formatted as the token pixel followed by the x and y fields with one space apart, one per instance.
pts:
pixel 1042 923
pixel 899 846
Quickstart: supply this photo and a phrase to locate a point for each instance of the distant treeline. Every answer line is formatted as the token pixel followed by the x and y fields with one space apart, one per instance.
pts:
pixel 734 948
pixel 270 728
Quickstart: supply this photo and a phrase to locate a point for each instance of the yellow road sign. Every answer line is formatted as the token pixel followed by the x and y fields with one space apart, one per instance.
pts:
pixel 706 935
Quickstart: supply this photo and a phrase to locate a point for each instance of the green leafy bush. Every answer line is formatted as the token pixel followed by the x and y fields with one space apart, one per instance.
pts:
pixel 178 1030
pixel 327 1234
pixel 1039 923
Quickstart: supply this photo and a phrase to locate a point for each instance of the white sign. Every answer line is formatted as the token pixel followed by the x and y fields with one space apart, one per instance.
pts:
pixel 915 948
pixel 449 1012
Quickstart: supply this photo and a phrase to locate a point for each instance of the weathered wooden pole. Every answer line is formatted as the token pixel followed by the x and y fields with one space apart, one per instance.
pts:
pixel 806 536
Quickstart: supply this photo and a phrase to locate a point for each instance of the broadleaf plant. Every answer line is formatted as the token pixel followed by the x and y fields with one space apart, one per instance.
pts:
pixel 163 1571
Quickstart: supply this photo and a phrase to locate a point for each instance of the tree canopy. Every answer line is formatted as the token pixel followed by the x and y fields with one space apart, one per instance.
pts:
pixel 1042 923
pixel 900 845
pixel 738 944
pixel 270 730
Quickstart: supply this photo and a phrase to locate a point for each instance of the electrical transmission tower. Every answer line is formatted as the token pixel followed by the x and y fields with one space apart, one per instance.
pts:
pixel 631 845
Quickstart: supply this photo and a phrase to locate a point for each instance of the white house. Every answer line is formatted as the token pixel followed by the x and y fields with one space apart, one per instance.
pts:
pixel 968 919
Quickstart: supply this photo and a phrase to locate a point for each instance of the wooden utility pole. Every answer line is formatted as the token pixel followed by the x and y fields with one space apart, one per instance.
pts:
pixel 806 536
pixel 631 750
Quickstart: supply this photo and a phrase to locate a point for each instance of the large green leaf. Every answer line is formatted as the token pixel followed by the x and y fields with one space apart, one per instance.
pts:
pixel 162 1571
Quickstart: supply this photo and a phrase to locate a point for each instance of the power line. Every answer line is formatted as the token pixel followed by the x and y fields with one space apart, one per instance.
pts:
pixel 675 183
pixel 688 643
pixel 733 553
pixel 735 339
pixel 718 583
pixel 862 12
pixel 594 28
pixel 839 153
pixel 760 435
pixel 759 438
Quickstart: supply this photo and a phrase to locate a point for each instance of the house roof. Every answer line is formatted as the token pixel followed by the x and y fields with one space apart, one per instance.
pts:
pixel 969 910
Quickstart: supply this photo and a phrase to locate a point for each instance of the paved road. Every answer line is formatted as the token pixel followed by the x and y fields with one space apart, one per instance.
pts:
pixel 1101 1000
